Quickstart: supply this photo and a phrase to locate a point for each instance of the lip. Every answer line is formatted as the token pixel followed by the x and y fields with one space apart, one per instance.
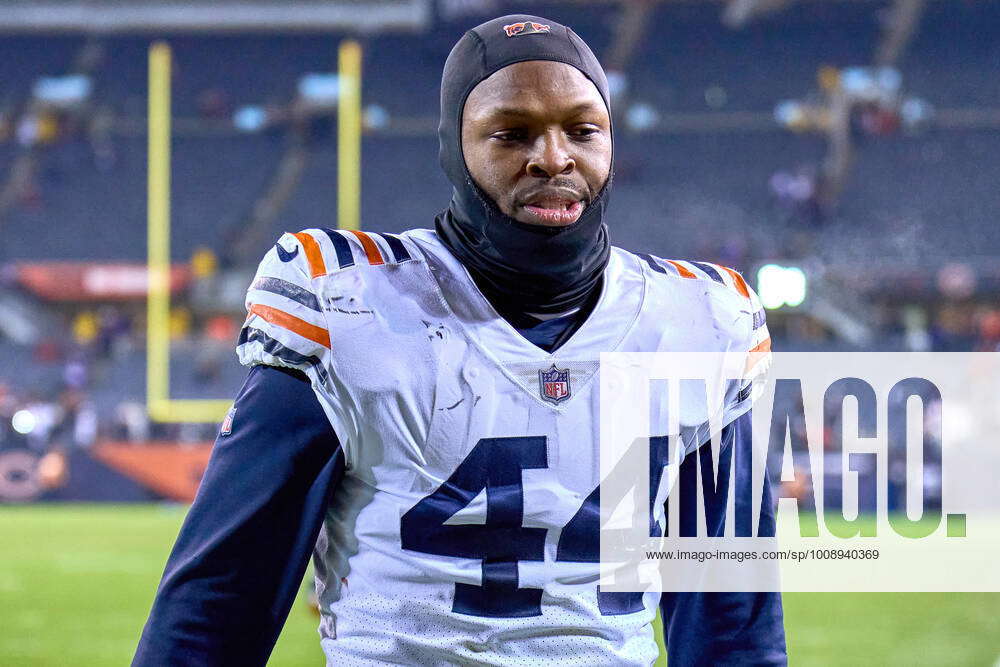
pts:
pixel 554 210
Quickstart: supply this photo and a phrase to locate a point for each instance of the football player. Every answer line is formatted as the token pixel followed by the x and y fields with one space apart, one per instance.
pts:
pixel 427 404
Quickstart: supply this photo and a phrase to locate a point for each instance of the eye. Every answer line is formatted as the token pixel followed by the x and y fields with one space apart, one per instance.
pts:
pixel 584 132
pixel 510 136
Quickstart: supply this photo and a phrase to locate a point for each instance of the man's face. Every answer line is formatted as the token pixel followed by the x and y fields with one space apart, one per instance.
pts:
pixel 537 139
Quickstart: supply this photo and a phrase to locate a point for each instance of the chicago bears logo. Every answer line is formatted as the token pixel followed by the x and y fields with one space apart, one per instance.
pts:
pixel 525 28
pixel 554 384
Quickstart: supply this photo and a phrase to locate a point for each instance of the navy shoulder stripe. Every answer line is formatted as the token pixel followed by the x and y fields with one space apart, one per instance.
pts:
pixel 652 263
pixel 399 251
pixel 287 290
pixel 744 393
pixel 710 270
pixel 276 349
pixel 345 257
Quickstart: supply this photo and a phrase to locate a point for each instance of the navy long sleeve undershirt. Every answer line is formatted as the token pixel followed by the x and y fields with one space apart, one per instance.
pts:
pixel 245 544
pixel 724 628
pixel 242 551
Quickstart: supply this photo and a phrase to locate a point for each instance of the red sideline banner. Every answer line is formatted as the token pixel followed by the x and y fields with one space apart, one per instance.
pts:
pixel 82 281
pixel 170 469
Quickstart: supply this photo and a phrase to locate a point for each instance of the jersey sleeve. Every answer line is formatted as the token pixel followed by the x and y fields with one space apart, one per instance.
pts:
pixel 287 327
pixel 239 558
pixel 755 354
pixel 724 628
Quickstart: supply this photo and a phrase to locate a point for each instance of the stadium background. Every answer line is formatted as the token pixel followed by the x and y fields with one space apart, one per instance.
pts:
pixel 842 154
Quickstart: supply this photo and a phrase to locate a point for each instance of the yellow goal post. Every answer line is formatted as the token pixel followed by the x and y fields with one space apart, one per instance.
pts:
pixel 160 406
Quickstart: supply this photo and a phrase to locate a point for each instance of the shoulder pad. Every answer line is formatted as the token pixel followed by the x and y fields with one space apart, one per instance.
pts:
pixel 723 275
pixel 326 251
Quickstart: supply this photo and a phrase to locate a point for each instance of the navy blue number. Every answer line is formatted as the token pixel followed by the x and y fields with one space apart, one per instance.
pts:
pixel 494 464
pixel 580 539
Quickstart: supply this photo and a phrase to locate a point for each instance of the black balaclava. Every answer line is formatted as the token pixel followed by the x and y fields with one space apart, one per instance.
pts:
pixel 521 268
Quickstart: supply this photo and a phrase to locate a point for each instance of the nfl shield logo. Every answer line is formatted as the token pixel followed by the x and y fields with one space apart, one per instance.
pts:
pixel 554 384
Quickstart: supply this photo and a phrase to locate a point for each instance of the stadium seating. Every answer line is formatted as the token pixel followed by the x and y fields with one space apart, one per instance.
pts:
pixel 22 62
pixel 88 214
pixel 677 194
pixel 218 176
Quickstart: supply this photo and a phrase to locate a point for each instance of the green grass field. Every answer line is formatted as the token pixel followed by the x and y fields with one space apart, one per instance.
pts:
pixel 76 582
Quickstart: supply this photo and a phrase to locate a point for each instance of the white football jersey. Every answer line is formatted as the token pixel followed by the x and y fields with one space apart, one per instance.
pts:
pixel 465 528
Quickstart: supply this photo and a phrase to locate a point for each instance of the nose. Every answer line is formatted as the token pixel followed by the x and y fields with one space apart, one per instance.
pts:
pixel 550 156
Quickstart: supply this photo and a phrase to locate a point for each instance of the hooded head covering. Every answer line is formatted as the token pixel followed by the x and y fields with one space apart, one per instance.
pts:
pixel 521 268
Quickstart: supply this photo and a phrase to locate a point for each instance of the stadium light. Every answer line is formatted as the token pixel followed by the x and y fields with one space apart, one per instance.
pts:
pixel 24 421
pixel 780 286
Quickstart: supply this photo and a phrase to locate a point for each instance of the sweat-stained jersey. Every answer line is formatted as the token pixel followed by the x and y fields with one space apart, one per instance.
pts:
pixel 464 529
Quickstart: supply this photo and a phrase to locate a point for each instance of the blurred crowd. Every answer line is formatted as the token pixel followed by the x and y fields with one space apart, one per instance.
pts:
pixel 75 396
pixel 78 398
pixel 798 186
pixel 941 326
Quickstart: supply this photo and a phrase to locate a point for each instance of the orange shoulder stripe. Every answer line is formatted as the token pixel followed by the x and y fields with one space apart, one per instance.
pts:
pixel 681 269
pixel 317 267
pixel 757 354
pixel 741 285
pixel 763 347
pixel 371 250
pixel 291 323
